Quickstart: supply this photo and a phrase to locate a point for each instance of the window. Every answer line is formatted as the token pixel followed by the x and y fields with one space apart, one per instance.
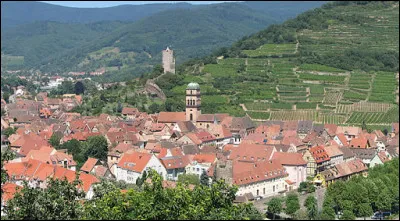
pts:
pixel 273 189
pixel 191 117
pixel 264 191
pixel 258 192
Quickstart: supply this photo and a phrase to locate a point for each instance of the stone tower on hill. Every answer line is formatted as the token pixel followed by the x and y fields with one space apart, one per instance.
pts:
pixel 168 60
pixel 193 102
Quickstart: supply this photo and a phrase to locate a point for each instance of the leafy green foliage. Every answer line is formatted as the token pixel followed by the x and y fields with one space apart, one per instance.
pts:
pixel 292 204
pixel 79 88
pixel 311 205
pixel 57 201
pixel 189 179
pixel 55 140
pixel 97 147
pixel 154 202
pixel 204 179
pixel 275 206
pixel 361 196
pixel 9 131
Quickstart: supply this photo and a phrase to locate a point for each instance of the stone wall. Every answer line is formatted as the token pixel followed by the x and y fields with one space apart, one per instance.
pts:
pixel 152 88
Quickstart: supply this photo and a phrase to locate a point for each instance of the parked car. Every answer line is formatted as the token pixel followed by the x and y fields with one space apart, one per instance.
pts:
pixel 381 215
pixel 258 198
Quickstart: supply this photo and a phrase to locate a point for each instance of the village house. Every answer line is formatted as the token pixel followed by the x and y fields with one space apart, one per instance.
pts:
pixel 96 167
pixel 334 154
pixel 342 171
pixel 295 166
pixel 205 120
pixel 175 166
pixel 240 127
pixel 349 132
pixel 262 178
pixel 129 112
pixel 171 118
pixel 200 138
pixel 366 155
pixel 304 128
pixel 51 156
pixel 36 173
pixel 200 163
pixel 380 158
pixel 318 161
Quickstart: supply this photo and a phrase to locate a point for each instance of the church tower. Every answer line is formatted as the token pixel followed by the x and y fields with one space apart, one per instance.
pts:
pixel 193 102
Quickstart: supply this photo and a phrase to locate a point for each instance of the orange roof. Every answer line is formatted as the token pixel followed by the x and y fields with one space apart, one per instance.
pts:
pixel 383 156
pixel 129 110
pixel 87 181
pixel 253 152
pixel 9 190
pixel 342 139
pixel 249 172
pixel 135 161
pixel 331 129
pixel 319 154
pixel 171 117
pixel 333 151
pixel 175 162
pixel 360 142
pixel 89 164
pixel 289 158
pixel 204 158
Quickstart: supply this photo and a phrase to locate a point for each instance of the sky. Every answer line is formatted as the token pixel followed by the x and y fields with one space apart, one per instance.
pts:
pixel 102 4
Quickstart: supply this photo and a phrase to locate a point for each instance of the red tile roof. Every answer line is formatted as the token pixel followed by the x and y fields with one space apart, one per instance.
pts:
pixel 9 190
pixel 204 158
pixel 331 129
pixel 289 158
pixel 248 172
pixel 129 111
pixel 89 164
pixel 342 139
pixel 134 161
pixel 360 142
pixel 319 154
pixel 253 152
pixel 175 162
pixel 383 156
pixel 171 117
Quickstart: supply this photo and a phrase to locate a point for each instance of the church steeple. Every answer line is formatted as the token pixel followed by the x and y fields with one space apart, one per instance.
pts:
pixel 193 102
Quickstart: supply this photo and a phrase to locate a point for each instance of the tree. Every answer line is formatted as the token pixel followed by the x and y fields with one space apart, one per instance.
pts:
pixel 364 210
pixel 363 126
pixel 301 214
pixel 154 108
pixel 97 147
pixel 9 131
pixel 311 205
pixel 119 107
pixel 204 179
pixel 274 206
pixel 154 202
pixel 103 188
pixel 5 156
pixel 292 204
pixel 55 140
pixel 303 186
pixel 327 213
pixel 56 202
pixel 348 215
pixel 189 179
pixel 79 88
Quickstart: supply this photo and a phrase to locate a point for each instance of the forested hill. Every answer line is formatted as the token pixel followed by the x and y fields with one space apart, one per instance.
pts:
pixel 134 47
pixel 14 13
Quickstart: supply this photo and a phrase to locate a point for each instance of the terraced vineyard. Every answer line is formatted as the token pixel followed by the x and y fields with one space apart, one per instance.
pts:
pixel 283 81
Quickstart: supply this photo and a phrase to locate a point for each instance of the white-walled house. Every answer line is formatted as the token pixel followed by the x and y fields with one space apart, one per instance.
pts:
pixel 380 158
pixel 295 166
pixel 335 154
pixel 200 163
pixel 131 166
pixel 263 178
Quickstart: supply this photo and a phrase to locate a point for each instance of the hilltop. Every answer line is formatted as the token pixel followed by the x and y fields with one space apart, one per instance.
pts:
pixel 62 45
pixel 335 64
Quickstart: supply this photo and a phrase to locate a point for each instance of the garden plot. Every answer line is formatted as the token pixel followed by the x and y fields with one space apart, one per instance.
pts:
pixel 259 115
